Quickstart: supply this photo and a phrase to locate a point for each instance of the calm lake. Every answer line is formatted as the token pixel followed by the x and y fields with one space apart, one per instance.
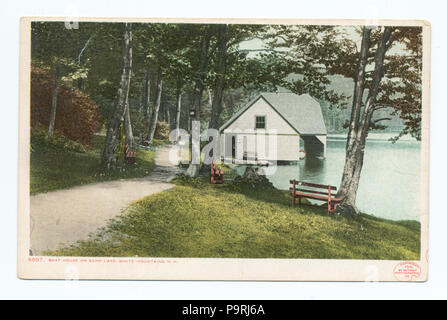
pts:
pixel 390 180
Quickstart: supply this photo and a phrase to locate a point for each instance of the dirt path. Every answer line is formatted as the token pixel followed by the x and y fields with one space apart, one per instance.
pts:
pixel 62 217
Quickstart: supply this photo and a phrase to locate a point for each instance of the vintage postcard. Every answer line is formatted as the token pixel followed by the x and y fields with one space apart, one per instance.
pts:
pixel 223 149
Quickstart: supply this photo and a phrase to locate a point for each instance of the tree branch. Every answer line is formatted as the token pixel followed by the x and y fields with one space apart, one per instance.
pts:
pixel 82 50
pixel 381 119
pixel 383 106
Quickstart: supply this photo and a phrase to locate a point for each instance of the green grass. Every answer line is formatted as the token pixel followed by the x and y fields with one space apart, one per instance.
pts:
pixel 57 166
pixel 196 219
pixel 158 142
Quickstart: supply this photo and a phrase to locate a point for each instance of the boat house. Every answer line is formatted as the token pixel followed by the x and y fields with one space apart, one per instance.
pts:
pixel 296 121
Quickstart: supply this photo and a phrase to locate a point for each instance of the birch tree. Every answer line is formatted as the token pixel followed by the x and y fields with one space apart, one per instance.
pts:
pixel 386 68
pixel 109 153
pixel 193 168
pixel 394 82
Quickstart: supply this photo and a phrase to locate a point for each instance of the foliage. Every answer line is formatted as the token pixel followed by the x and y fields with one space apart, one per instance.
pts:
pixel 59 166
pixel 56 46
pixel 162 130
pixel 307 52
pixel 252 180
pixel 302 59
pixel 196 219
pixel 77 116
pixel 311 55
pixel 58 142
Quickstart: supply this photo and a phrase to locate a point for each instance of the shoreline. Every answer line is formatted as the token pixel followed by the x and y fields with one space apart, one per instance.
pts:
pixel 373 136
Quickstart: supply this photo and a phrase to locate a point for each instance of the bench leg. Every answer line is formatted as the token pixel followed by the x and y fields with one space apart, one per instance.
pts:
pixel 299 201
pixel 293 200
pixel 335 208
pixel 331 208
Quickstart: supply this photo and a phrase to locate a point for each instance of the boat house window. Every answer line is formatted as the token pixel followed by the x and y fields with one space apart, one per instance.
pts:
pixel 260 122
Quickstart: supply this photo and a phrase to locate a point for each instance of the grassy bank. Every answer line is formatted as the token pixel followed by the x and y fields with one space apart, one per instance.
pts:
pixel 196 219
pixel 61 164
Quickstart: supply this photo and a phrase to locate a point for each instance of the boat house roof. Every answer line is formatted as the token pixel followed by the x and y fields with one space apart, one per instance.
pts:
pixel 301 112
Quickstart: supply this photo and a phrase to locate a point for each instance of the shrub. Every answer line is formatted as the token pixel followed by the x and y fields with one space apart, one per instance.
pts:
pixel 162 131
pixel 77 116
pixel 252 180
pixel 40 139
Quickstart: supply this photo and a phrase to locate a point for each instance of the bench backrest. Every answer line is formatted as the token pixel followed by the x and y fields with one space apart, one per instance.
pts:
pixel 297 186
pixel 129 153
pixel 313 185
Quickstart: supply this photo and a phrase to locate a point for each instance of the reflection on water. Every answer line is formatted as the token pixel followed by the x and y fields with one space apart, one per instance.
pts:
pixel 389 184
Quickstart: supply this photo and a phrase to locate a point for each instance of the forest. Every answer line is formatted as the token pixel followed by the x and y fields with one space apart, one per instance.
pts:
pixel 136 82
pixel 105 98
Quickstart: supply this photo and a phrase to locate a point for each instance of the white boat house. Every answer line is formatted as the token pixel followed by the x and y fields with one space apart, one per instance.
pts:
pixel 294 123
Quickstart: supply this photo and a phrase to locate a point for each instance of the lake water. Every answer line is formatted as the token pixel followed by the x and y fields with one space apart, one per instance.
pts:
pixel 390 180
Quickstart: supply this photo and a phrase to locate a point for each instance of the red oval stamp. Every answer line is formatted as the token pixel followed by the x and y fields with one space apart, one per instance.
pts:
pixel 407 271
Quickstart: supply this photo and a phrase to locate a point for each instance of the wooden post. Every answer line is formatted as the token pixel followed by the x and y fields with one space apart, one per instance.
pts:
pixel 329 200
pixel 293 193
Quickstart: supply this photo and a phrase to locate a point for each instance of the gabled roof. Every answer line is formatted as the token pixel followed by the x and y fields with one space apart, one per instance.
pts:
pixel 302 112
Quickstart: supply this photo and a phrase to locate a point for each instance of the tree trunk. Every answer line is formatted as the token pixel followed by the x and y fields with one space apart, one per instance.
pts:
pixel 54 102
pixel 128 127
pixel 108 156
pixel 179 109
pixel 80 83
pixel 193 168
pixel 154 116
pixel 216 107
pixel 145 101
pixel 167 114
pixel 360 121
pixel 210 97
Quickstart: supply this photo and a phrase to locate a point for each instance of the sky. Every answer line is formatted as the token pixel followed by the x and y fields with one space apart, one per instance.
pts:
pixel 351 33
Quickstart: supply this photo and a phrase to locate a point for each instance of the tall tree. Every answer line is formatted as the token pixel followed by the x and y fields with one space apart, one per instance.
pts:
pixel 57 79
pixel 146 92
pixel 128 127
pixel 193 168
pixel 155 110
pixel 234 67
pixel 109 153
pixel 216 107
pixel 162 48
pixel 179 91
pixel 386 68
pixel 398 91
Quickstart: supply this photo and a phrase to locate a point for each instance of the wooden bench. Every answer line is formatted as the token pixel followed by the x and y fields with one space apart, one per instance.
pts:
pixel 217 176
pixel 129 156
pixel 144 141
pixel 318 194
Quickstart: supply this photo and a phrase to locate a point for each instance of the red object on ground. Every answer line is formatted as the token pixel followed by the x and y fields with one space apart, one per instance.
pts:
pixel 326 196
pixel 144 141
pixel 129 156
pixel 216 174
